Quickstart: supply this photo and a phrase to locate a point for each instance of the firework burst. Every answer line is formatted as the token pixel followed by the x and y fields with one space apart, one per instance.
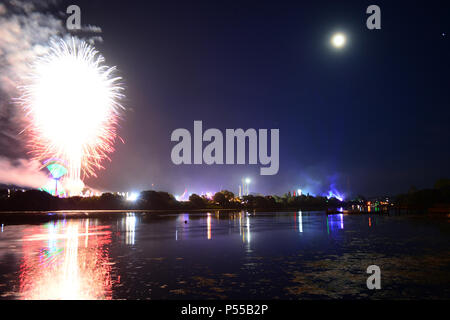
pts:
pixel 72 106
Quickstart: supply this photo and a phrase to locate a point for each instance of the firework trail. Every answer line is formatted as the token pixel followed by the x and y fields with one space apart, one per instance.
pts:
pixel 72 105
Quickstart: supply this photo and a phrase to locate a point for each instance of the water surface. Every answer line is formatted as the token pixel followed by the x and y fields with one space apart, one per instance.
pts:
pixel 295 255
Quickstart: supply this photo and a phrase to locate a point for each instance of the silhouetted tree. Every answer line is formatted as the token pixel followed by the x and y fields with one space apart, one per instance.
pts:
pixel 442 184
pixel 220 198
pixel 197 202
pixel 158 200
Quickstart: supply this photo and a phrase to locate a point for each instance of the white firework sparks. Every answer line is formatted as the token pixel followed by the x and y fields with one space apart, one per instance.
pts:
pixel 72 106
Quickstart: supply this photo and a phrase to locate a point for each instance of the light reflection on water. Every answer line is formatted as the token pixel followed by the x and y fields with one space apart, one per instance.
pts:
pixel 66 260
pixel 222 255
pixel 130 228
pixel 208 219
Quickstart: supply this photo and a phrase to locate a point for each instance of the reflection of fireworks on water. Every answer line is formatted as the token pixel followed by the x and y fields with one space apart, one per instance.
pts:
pixel 66 260
pixel 72 107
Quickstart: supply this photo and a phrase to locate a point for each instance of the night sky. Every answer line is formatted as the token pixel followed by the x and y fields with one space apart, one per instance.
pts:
pixel 371 119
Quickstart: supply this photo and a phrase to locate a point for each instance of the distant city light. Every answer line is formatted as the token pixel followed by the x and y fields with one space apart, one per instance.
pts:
pixel 209 195
pixel 245 187
pixel 132 196
pixel 183 196
pixel 335 194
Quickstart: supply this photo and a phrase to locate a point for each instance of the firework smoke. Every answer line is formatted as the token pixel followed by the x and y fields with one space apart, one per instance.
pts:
pixel 22 173
pixel 23 33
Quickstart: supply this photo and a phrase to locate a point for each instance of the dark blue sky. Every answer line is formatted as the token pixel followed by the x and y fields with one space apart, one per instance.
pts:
pixel 371 119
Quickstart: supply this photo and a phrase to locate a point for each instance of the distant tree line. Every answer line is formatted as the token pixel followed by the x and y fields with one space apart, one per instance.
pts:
pixel 437 197
pixel 34 200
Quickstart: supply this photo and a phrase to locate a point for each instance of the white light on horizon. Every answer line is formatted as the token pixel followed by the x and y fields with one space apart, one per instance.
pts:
pixel 133 196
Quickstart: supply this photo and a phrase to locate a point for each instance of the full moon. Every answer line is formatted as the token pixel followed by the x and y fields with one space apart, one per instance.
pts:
pixel 338 40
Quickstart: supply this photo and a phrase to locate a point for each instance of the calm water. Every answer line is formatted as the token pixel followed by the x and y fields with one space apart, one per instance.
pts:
pixel 294 255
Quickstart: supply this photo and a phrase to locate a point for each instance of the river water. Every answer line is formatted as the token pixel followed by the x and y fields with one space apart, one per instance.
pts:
pixel 292 255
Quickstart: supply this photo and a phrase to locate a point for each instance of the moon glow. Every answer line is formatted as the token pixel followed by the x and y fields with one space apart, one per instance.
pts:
pixel 338 40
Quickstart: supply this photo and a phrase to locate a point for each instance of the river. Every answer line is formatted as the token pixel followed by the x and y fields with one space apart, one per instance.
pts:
pixel 234 255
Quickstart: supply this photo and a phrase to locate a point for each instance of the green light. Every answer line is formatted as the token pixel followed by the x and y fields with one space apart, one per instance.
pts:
pixel 56 170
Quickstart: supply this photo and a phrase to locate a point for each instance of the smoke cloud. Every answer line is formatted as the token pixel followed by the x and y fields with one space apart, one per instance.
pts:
pixel 23 34
pixel 22 173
